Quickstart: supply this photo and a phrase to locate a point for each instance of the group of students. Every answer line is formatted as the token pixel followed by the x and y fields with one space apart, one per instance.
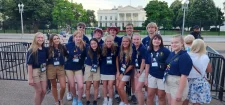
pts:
pixel 178 76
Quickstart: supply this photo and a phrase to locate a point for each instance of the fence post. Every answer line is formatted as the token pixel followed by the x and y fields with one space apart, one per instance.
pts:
pixel 221 88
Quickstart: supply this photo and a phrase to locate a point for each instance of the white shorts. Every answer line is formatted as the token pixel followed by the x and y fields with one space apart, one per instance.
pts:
pixel 108 77
pixel 126 78
pixel 155 83
pixel 142 77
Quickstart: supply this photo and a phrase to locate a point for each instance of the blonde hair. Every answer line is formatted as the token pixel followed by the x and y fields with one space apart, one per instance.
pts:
pixel 198 46
pixel 113 47
pixel 130 50
pixel 152 24
pixel 82 43
pixel 181 39
pixel 34 47
pixel 189 39
pixel 137 34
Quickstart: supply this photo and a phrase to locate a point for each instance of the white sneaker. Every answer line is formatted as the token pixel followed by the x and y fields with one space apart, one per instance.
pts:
pixel 69 96
pixel 84 95
pixel 121 103
pixel 110 103
pixel 105 102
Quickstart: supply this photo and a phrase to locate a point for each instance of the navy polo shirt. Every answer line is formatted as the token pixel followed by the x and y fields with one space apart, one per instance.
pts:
pixel 118 40
pixel 140 54
pixel 85 39
pixel 100 42
pixel 74 51
pixel 161 56
pixel 131 62
pixel 146 41
pixel 182 64
pixel 57 54
pixel 109 69
pixel 41 58
pixel 89 61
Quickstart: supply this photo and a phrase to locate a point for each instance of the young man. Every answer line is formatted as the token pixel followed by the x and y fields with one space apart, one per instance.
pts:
pixel 152 29
pixel 98 34
pixel 113 30
pixel 129 30
pixel 196 33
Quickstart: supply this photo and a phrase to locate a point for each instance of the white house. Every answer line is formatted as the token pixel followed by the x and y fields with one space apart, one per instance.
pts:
pixel 121 16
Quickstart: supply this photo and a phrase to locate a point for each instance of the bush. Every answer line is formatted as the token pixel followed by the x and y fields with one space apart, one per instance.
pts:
pixel 214 29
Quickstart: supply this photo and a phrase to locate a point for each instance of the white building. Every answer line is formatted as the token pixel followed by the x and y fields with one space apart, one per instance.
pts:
pixel 121 16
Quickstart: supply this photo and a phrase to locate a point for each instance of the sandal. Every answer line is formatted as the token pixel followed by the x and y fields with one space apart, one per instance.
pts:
pixel 57 103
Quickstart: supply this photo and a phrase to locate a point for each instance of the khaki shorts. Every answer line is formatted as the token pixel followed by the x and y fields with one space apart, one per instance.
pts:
pixel 91 76
pixel 39 76
pixel 73 72
pixel 126 78
pixel 53 71
pixel 155 83
pixel 108 77
pixel 142 77
pixel 172 84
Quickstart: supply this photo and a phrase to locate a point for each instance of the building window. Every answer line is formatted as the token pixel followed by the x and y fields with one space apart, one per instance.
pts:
pixel 115 18
pixel 100 24
pixel 105 17
pixel 100 17
pixel 110 17
pixel 110 24
pixel 105 24
pixel 116 24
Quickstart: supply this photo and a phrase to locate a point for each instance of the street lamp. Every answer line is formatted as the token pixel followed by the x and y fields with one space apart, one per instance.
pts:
pixel 184 8
pixel 21 15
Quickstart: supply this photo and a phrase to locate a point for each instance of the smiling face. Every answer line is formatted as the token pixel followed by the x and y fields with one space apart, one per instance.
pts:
pixel 109 42
pixel 98 34
pixel 40 39
pixel 77 38
pixel 112 32
pixel 56 40
pixel 156 42
pixel 176 44
pixel 94 44
pixel 129 29
pixel 125 42
pixel 151 30
pixel 136 40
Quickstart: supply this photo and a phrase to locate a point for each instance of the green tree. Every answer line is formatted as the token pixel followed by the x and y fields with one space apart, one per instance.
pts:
pixel 90 18
pixel 176 7
pixel 158 11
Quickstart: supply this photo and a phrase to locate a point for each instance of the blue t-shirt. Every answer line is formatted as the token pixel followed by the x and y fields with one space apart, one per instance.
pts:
pixel 124 64
pixel 140 54
pixel 85 39
pixel 181 64
pixel 41 58
pixel 100 42
pixel 146 42
pixel 117 40
pixel 109 68
pixel 75 58
pixel 157 62
pixel 58 56
pixel 90 61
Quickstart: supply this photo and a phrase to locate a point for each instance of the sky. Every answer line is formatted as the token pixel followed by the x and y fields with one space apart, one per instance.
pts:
pixel 109 4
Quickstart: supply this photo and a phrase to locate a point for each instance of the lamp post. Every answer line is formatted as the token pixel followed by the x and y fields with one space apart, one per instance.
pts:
pixel 21 15
pixel 184 8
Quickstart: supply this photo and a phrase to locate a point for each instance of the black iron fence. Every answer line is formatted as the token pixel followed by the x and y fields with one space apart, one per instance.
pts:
pixel 13 66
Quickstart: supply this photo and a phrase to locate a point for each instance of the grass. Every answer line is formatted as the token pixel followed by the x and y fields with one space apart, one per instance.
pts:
pixel 142 32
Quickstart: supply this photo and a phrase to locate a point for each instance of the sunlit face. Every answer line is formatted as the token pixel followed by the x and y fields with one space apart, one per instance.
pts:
pixel 56 40
pixel 81 28
pixel 109 42
pixel 112 32
pixel 94 45
pixel 136 40
pixel 156 42
pixel 125 42
pixel 40 39
pixel 129 29
pixel 77 38
pixel 98 35
pixel 176 44
pixel 151 30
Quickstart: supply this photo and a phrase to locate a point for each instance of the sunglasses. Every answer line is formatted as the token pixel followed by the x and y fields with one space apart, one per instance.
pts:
pixel 81 27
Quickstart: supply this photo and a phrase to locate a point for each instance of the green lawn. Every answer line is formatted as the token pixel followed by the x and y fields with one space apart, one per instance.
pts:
pixel 142 32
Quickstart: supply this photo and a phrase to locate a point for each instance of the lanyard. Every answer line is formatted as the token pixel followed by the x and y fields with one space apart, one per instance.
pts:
pixel 53 52
pixel 171 60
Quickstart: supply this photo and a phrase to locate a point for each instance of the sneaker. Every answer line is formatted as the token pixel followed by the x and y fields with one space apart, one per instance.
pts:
pixel 84 95
pixel 121 103
pixel 134 99
pixel 69 96
pixel 105 102
pixel 74 101
pixel 88 103
pixel 110 102
pixel 99 95
pixel 95 103
pixel 118 99
pixel 80 102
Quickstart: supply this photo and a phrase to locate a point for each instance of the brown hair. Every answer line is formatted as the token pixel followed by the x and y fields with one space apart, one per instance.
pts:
pixel 61 47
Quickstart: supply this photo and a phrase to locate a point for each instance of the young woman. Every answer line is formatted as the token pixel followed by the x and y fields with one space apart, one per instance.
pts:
pixel 76 56
pixel 179 65
pixel 55 68
pixel 126 63
pixel 139 67
pixel 199 88
pixel 92 70
pixel 109 57
pixel 155 67
pixel 36 61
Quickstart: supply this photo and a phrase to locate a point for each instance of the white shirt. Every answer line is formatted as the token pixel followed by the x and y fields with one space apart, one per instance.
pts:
pixel 200 62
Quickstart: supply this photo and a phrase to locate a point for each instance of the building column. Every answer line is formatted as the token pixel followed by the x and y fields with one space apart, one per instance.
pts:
pixel 132 18
pixel 125 18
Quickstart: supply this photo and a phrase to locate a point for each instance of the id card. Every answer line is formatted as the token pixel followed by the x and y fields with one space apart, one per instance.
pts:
pixel 155 64
pixel 136 63
pixel 75 59
pixel 123 68
pixel 109 60
pixel 43 67
pixel 94 68
pixel 56 61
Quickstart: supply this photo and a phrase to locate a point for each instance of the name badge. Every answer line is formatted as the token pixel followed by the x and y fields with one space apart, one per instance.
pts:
pixel 123 68
pixel 136 63
pixel 94 68
pixel 155 64
pixel 43 67
pixel 56 61
pixel 75 59
pixel 109 60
